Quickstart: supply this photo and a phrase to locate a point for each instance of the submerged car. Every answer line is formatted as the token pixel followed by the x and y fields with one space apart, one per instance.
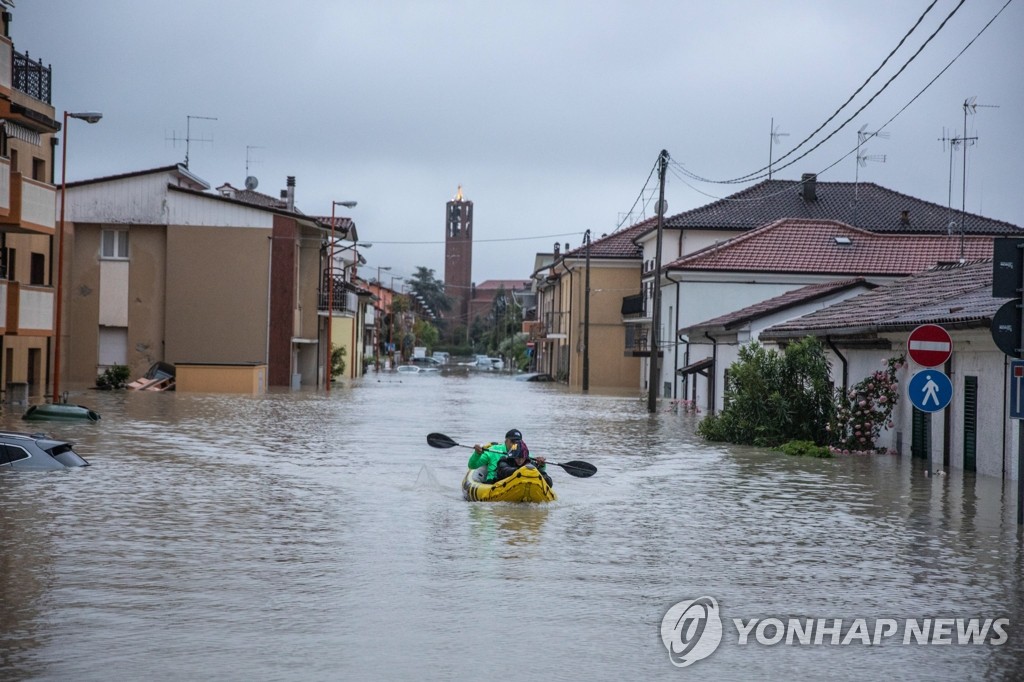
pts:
pixel 36 452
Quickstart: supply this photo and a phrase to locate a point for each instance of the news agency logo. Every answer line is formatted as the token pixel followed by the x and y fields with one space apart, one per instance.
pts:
pixel 692 630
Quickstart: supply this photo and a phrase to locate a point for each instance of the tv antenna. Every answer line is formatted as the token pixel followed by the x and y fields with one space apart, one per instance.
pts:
pixel 188 134
pixel 251 182
pixel 971 106
pixel 863 135
pixel 773 139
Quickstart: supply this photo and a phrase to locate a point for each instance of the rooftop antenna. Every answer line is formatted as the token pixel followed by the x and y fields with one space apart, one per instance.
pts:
pixel 863 135
pixel 951 139
pixel 970 107
pixel 773 139
pixel 251 182
pixel 188 134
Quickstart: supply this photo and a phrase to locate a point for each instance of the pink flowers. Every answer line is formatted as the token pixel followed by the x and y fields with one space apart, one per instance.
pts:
pixel 864 410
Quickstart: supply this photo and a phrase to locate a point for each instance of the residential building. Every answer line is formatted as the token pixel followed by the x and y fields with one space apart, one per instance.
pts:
pixel 160 269
pixel 862 205
pixel 974 433
pixel 762 276
pixel 617 343
pixel 28 248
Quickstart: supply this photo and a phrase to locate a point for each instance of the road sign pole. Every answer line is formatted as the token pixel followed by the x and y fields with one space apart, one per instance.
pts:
pixel 1020 424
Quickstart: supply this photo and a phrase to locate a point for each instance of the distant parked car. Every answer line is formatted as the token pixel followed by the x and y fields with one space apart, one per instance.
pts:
pixel 441 356
pixel 425 363
pixel 497 363
pixel 484 362
pixel 36 452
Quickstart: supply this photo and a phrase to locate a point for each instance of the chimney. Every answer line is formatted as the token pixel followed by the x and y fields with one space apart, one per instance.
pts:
pixel 904 217
pixel 290 193
pixel 558 248
pixel 808 188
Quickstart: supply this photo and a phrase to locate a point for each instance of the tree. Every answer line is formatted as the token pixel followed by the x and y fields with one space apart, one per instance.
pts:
pixel 424 283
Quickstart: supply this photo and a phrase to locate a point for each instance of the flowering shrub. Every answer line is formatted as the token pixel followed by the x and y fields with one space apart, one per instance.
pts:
pixel 864 409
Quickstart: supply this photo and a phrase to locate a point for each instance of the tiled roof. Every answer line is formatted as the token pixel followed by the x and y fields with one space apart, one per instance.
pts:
pixel 249 196
pixel 615 245
pixel 507 284
pixel 810 246
pixel 790 299
pixel 864 205
pixel 951 294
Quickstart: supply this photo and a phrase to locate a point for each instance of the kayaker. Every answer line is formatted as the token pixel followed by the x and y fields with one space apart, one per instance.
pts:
pixel 517 455
pixel 490 454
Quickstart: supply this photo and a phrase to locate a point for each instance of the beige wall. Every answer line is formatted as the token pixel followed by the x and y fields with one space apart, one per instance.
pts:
pixel 609 368
pixel 221 379
pixel 231 326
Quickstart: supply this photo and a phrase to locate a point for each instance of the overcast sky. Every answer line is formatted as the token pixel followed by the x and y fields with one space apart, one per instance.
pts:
pixel 550 114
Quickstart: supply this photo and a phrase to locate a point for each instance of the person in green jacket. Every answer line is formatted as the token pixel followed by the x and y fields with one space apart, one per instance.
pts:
pixel 504 455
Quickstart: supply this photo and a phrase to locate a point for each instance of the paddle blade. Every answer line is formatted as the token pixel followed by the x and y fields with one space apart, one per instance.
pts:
pixel 439 440
pixel 577 468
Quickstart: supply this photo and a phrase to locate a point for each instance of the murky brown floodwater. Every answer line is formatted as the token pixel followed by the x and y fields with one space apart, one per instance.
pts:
pixel 300 536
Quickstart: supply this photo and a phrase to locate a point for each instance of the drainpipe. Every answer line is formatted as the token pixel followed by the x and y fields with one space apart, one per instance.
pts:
pixel 712 376
pixel 568 327
pixel 675 355
pixel 842 359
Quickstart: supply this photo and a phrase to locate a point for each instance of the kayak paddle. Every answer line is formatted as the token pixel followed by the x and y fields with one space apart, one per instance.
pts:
pixel 575 468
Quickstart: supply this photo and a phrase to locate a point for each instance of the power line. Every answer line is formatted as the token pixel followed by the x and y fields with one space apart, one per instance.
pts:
pixel 749 177
pixel 882 127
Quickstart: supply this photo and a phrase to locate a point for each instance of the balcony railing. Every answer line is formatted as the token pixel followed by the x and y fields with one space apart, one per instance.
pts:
pixel 31 77
pixel 556 323
pixel 343 299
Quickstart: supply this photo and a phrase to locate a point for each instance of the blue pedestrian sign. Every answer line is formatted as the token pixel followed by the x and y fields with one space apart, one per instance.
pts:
pixel 930 390
pixel 1017 389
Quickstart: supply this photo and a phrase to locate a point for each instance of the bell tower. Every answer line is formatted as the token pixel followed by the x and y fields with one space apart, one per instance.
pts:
pixel 458 256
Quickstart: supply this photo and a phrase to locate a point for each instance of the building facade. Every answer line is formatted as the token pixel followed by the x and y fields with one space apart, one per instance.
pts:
pixel 28 225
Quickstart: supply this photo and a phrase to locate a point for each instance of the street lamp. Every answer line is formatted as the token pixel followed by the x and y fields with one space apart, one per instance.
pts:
pixel 391 321
pixel 376 319
pixel 88 117
pixel 330 295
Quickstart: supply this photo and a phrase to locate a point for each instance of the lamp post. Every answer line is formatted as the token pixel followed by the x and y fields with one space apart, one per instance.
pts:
pixel 88 117
pixel 330 295
pixel 391 321
pixel 376 319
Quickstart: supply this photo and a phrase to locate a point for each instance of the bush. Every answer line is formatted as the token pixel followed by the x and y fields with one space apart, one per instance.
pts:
pixel 115 376
pixel 805 448
pixel 771 398
pixel 865 409
pixel 338 361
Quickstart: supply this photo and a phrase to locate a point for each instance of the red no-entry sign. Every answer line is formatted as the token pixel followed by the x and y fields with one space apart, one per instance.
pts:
pixel 929 345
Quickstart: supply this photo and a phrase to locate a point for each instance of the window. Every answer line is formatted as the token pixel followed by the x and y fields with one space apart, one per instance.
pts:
pixel 38 169
pixel 12 453
pixel 970 423
pixel 38 272
pixel 115 244
pixel 11 253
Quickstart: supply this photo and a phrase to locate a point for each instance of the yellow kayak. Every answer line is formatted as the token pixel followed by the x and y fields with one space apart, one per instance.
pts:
pixel 525 485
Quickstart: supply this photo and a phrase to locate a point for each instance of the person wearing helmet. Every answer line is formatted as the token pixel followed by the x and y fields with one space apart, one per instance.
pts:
pixel 502 459
pixel 517 455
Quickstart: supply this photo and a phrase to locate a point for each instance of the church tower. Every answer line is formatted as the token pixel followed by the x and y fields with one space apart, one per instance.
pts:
pixel 458 256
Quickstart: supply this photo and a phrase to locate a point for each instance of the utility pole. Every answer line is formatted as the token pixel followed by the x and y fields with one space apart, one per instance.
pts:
pixel 654 379
pixel 586 320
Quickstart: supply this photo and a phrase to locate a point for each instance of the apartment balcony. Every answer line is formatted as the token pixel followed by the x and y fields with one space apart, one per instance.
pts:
pixel 26 309
pixel 344 299
pixel 556 325
pixel 30 77
pixel 30 203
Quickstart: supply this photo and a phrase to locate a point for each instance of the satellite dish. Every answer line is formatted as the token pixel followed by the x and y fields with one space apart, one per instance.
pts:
pixel 251 182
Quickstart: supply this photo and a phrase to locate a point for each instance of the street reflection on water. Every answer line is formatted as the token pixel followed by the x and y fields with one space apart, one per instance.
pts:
pixel 307 536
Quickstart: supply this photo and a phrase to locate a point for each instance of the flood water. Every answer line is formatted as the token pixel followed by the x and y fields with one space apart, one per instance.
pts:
pixel 307 536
